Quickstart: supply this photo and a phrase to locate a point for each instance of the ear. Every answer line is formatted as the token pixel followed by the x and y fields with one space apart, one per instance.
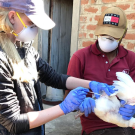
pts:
pixel 11 16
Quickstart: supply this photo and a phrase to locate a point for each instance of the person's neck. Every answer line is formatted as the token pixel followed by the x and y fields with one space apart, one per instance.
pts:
pixel 110 55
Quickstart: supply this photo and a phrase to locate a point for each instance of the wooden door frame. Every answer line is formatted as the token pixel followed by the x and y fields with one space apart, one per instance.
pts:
pixel 75 26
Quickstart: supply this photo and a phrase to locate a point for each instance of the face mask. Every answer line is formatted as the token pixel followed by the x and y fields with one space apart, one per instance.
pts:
pixel 107 43
pixel 28 33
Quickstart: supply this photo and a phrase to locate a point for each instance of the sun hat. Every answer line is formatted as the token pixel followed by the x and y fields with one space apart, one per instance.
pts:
pixel 33 9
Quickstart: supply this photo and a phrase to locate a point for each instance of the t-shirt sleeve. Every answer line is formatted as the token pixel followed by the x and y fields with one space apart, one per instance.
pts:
pixel 75 67
pixel 48 76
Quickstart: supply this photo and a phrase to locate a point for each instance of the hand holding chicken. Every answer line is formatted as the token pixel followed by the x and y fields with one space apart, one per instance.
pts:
pixel 127 111
pixel 110 108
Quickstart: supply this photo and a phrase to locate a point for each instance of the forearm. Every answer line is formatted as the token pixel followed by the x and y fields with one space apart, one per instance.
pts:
pixel 49 76
pixel 41 117
pixel 73 82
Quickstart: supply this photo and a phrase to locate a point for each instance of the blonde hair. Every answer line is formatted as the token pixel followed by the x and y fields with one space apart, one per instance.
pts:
pixel 20 70
pixel 5 24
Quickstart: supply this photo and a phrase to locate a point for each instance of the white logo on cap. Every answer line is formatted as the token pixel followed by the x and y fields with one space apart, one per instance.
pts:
pixel 107 18
pixel 111 19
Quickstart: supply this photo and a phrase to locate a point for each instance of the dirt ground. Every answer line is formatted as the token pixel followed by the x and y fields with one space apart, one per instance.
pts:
pixel 64 125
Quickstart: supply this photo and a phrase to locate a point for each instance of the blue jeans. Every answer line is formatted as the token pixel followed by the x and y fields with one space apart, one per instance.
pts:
pixel 113 131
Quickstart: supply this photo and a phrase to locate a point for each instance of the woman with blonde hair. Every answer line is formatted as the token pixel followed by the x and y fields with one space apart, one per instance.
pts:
pixel 21 68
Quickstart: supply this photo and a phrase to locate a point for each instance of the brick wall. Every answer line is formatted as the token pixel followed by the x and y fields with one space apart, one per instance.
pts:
pixel 90 12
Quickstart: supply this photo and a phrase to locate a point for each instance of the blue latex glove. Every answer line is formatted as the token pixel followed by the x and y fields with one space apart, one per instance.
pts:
pixel 98 87
pixel 87 106
pixel 73 100
pixel 127 111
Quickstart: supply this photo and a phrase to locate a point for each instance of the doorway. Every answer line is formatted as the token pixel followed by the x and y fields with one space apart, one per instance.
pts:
pixel 54 45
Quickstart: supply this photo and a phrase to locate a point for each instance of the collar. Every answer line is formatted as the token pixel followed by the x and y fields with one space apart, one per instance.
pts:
pixel 122 52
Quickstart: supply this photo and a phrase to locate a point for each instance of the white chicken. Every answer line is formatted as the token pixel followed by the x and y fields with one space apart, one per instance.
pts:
pixel 107 108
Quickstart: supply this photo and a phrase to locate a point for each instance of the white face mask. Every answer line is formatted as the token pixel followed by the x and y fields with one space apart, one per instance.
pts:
pixel 27 34
pixel 107 43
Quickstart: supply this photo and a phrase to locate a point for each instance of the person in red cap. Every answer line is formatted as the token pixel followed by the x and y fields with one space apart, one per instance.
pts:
pixel 21 69
pixel 100 62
